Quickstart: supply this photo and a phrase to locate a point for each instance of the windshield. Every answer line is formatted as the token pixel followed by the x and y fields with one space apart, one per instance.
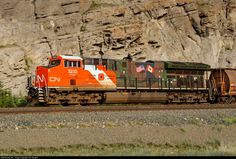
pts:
pixel 54 63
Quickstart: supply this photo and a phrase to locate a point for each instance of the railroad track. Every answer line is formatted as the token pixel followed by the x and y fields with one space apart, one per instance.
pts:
pixel 137 107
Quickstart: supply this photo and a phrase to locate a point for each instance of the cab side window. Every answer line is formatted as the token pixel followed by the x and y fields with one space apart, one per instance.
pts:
pixel 74 64
pixel 66 63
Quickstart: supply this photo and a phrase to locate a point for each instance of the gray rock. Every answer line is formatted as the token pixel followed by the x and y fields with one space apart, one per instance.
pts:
pixel 178 30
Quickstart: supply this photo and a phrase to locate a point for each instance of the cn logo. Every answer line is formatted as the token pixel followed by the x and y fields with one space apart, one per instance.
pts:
pixel 54 79
pixel 40 79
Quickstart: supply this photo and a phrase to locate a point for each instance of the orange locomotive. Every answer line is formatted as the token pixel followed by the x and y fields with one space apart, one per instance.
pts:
pixel 66 78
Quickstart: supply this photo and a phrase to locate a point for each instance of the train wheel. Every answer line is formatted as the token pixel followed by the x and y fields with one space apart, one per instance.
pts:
pixel 233 100
pixel 230 100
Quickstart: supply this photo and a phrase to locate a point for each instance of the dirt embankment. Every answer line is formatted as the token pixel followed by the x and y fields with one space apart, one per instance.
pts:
pixel 161 135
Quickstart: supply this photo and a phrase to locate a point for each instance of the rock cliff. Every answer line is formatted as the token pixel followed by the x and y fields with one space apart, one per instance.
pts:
pixel 179 30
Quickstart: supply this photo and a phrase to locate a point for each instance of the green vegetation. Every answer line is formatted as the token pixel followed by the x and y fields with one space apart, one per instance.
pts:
pixel 214 143
pixel 28 62
pixel 7 99
pixel 182 130
pixel 94 5
pixel 217 128
pixel 120 149
pixel 229 121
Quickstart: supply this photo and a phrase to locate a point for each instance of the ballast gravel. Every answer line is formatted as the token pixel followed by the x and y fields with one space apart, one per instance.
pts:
pixel 118 118
pixel 58 129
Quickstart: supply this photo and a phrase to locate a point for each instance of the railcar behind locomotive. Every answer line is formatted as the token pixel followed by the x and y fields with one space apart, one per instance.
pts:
pixel 75 80
pixel 223 85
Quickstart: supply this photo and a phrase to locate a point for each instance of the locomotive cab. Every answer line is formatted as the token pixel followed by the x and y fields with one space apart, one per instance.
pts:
pixel 62 71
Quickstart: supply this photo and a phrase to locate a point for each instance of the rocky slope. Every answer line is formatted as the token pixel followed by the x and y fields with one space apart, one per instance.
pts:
pixel 180 30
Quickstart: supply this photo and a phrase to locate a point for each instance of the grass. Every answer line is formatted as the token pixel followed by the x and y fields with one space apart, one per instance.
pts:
pixel 194 121
pixel 182 130
pixel 214 143
pixel 230 120
pixel 211 148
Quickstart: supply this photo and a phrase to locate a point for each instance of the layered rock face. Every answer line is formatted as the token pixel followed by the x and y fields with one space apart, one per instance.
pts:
pixel 173 30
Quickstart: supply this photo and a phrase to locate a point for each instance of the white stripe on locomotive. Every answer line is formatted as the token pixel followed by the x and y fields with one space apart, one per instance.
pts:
pixel 95 72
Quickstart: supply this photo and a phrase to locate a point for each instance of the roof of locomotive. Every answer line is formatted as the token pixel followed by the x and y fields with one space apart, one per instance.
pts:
pixel 168 64
pixel 186 65
pixel 67 57
pixel 71 57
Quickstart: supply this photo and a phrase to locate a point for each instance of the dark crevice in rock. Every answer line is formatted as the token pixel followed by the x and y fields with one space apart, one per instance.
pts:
pixel 152 42
pixel 67 13
pixel 195 26
pixel 204 20
pixel 44 40
pixel 7 9
pixel 137 53
pixel 149 13
pixel 162 16
pixel 34 8
pixel 83 24
pixel 135 10
pixel 202 15
pixel 183 47
pixel 97 44
pixel 80 46
pixel 120 41
pixel 119 15
pixel 156 14
pixel 118 47
pixel 46 16
pixel 69 3
pixel 179 4
pixel 194 40
pixel 227 8
pixel 106 23
pixel 64 36
pixel 189 9
pixel 49 45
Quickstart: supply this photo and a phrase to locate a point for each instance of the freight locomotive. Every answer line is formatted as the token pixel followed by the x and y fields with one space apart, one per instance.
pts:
pixel 69 80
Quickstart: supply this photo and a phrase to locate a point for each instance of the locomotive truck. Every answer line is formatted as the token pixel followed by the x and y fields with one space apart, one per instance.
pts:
pixel 69 80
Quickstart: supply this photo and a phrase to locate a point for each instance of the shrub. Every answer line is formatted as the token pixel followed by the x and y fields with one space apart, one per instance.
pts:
pixel 7 99
pixel 231 120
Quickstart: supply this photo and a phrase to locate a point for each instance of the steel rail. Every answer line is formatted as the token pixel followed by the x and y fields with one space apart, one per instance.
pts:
pixel 106 108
